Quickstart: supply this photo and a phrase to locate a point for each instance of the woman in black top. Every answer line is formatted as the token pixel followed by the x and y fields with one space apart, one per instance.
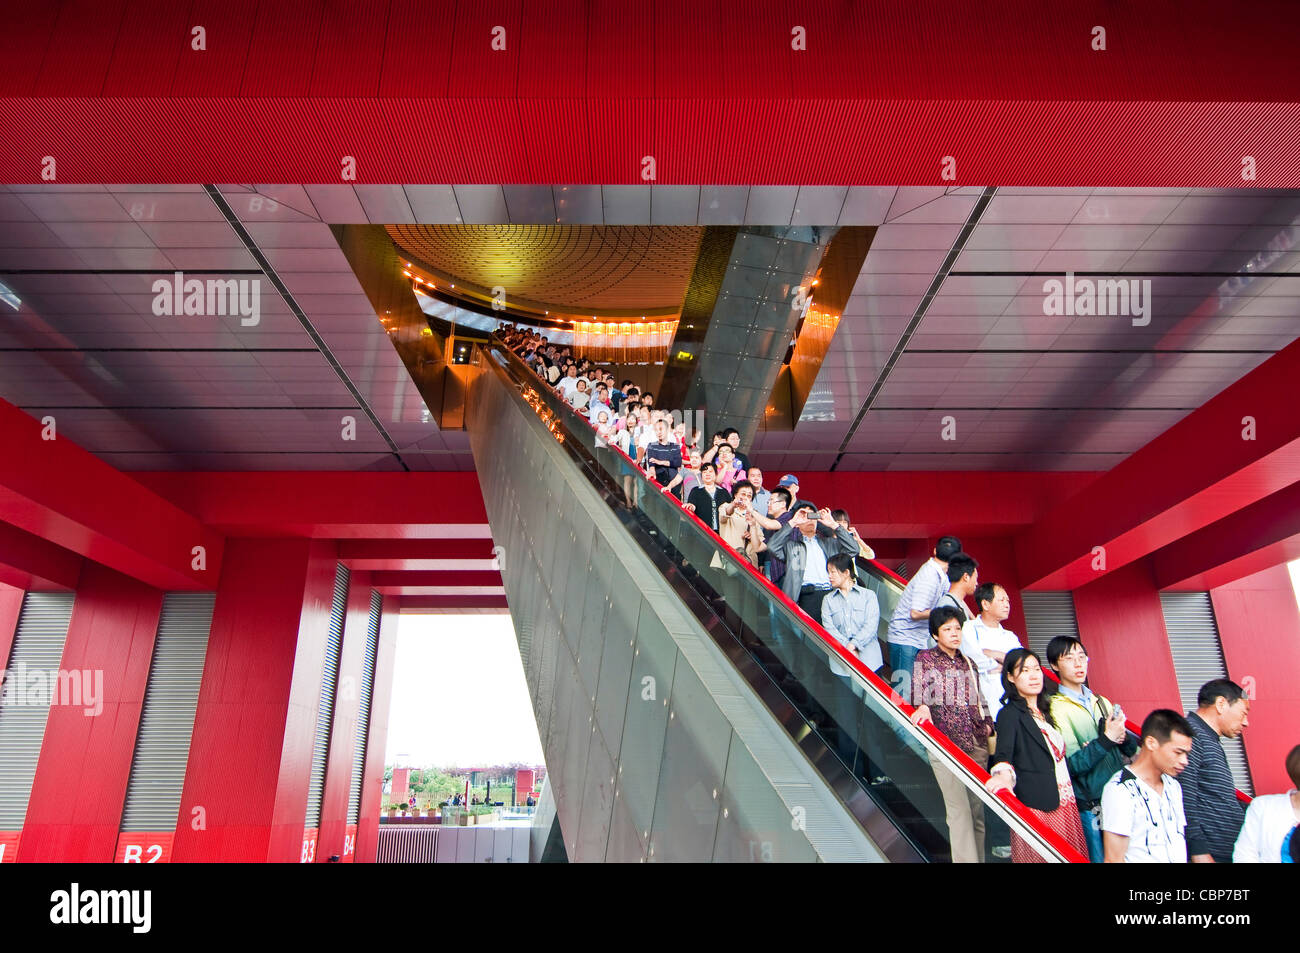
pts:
pixel 1030 756
pixel 705 499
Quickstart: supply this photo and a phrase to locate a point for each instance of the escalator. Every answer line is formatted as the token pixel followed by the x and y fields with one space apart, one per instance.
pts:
pixel 687 709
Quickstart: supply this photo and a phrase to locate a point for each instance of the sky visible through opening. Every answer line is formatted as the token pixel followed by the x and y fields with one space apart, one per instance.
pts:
pixel 1295 580
pixel 459 694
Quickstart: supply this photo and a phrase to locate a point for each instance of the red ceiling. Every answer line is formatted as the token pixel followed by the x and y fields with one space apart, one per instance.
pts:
pixel 582 91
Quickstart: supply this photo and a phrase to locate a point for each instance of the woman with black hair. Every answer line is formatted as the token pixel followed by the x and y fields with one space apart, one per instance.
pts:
pixel 1030 756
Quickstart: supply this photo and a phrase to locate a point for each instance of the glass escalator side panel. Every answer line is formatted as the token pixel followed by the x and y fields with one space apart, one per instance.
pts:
pixel 845 717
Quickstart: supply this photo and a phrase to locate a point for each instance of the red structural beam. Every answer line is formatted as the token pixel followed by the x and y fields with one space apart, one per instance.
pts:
pixel 416 554
pixel 332 505
pixel 572 91
pixel 1248 541
pixel 53 489
pixel 1238 448
pixel 384 580
pixel 34 564
pixel 922 504
pixel 451 603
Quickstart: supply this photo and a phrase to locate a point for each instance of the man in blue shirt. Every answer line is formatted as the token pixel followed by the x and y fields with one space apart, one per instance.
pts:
pixel 909 627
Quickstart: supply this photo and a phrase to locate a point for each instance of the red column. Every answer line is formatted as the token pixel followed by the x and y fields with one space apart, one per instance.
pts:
pixel 1123 627
pixel 1259 626
pixel 997 558
pixel 245 795
pixel 85 760
pixel 343 733
pixel 377 739
pixel 11 603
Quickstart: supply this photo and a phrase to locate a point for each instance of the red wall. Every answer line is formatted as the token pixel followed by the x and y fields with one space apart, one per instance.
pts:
pixel 377 740
pixel 250 758
pixel 1123 627
pixel 997 558
pixel 11 604
pixel 914 504
pixel 1259 626
pixel 85 761
pixel 343 732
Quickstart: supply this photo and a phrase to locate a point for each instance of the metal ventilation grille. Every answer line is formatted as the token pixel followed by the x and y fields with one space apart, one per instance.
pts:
pixel 38 647
pixel 325 702
pixel 162 746
pixel 1047 615
pixel 363 708
pixel 1198 658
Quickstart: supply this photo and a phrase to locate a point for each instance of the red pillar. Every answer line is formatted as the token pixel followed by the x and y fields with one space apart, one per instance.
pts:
pixel 11 604
pixel 1123 627
pixel 997 558
pixel 85 760
pixel 377 739
pixel 1259 627
pixel 343 734
pixel 245 794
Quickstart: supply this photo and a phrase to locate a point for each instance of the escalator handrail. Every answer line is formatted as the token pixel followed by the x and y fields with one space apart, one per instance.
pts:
pixel 927 731
pixel 1129 723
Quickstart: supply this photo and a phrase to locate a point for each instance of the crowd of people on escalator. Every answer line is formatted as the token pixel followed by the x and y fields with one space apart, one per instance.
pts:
pixel 1164 794
pixel 789 539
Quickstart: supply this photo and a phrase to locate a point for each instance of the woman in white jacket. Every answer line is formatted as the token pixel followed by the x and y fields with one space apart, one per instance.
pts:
pixel 1270 835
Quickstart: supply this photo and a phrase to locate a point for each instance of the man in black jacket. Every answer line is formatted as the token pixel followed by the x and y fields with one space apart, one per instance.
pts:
pixel 1214 815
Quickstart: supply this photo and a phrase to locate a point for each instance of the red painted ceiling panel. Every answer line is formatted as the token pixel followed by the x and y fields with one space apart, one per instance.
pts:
pixel 620 50
pixel 154 35
pixel 351 42
pixel 78 49
pixel 22 46
pixel 415 59
pixel 283 49
pixel 485 50
pixel 552 53
pixel 217 69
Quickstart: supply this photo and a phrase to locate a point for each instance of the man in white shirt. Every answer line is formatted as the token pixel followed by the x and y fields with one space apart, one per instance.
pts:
pixel 1142 819
pixel 986 643
pixel 568 383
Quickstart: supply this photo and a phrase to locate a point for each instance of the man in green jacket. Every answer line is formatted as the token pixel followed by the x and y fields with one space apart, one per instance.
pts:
pixel 1096 741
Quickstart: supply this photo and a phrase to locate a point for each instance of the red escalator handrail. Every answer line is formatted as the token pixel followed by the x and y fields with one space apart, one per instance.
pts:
pixel 1129 724
pixel 964 760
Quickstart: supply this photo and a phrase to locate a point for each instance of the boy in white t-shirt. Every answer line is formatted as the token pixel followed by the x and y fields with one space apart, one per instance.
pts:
pixel 986 643
pixel 1142 819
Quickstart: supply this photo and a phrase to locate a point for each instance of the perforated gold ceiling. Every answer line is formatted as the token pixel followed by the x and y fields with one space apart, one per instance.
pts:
pixel 598 269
